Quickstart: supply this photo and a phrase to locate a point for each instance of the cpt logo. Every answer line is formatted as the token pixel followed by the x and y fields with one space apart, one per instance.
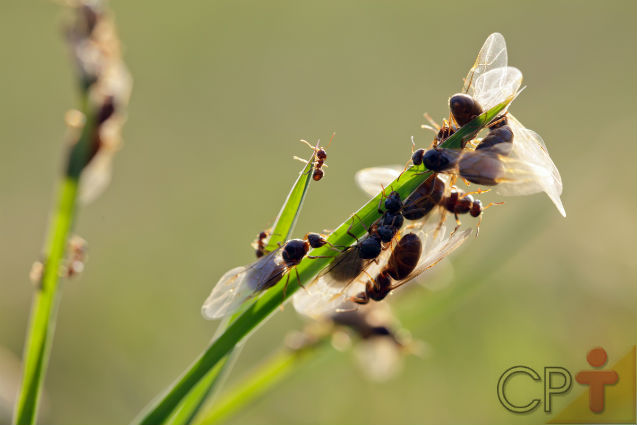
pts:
pixel 598 386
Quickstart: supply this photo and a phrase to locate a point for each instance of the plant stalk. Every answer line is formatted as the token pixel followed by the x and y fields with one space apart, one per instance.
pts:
pixel 408 182
pixel 45 305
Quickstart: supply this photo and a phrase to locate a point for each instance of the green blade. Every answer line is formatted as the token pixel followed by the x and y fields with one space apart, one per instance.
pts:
pixel 285 221
pixel 270 301
pixel 282 229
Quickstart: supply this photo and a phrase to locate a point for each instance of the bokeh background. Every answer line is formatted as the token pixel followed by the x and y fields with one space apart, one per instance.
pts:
pixel 223 91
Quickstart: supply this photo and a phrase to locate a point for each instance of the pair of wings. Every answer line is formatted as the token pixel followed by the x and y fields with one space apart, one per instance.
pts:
pixel 241 283
pixel 528 168
pixel 333 289
pixel 328 294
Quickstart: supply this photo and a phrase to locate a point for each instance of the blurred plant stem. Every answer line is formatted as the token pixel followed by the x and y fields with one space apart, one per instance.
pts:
pixel 265 377
pixel 45 304
pixel 161 409
pixel 48 291
pixel 94 132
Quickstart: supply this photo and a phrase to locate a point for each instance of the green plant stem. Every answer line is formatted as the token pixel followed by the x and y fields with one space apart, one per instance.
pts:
pixel 48 292
pixel 282 229
pixel 267 375
pixel 191 404
pixel 285 221
pixel 306 270
pixel 45 305
pixel 426 313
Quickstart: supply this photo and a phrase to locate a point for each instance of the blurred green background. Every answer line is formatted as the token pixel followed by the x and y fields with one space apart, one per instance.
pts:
pixel 225 88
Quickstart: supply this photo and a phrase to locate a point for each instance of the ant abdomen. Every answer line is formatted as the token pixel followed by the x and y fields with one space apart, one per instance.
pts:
pixel 499 139
pixel 464 108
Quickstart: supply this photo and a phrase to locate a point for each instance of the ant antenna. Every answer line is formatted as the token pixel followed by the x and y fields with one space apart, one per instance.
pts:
pixel 331 138
pixel 428 127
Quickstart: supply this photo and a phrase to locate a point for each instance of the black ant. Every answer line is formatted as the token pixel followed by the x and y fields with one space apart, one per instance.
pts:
pixel 431 193
pixel 402 262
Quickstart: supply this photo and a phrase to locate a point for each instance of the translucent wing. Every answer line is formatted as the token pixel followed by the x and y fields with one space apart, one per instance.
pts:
pixel 492 55
pixel 490 81
pixel 496 86
pixel 436 246
pixel 529 168
pixel 332 290
pixel 371 179
pixel 239 284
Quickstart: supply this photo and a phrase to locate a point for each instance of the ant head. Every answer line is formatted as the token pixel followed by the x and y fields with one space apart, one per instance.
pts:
pixel 416 157
pixel 315 240
pixel 393 203
pixel 476 208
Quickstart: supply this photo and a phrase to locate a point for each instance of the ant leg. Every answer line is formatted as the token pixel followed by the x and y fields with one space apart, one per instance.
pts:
pixel 443 217
pixel 433 123
pixel 309 144
pixel 478 226
pixel 427 127
pixel 298 278
pixel 491 204
pixel 371 279
pixel 476 192
pixel 305 161
pixel 499 120
pixel 350 228
pixel 338 248
pixel 452 120
pixel 457 219
pixel 404 169
pixel 380 200
pixel 413 149
pixel 458 224
pixel 285 288
pixel 362 224
pixel 467 182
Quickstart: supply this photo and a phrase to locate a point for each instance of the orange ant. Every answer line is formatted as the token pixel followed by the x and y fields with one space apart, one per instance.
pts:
pixel 321 156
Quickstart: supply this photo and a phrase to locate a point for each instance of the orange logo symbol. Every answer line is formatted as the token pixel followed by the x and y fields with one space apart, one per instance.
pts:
pixel 597 379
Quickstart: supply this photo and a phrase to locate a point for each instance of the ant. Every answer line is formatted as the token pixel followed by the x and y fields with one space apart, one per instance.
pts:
pixel 431 193
pixel 259 244
pixel 402 262
pixel 321 155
